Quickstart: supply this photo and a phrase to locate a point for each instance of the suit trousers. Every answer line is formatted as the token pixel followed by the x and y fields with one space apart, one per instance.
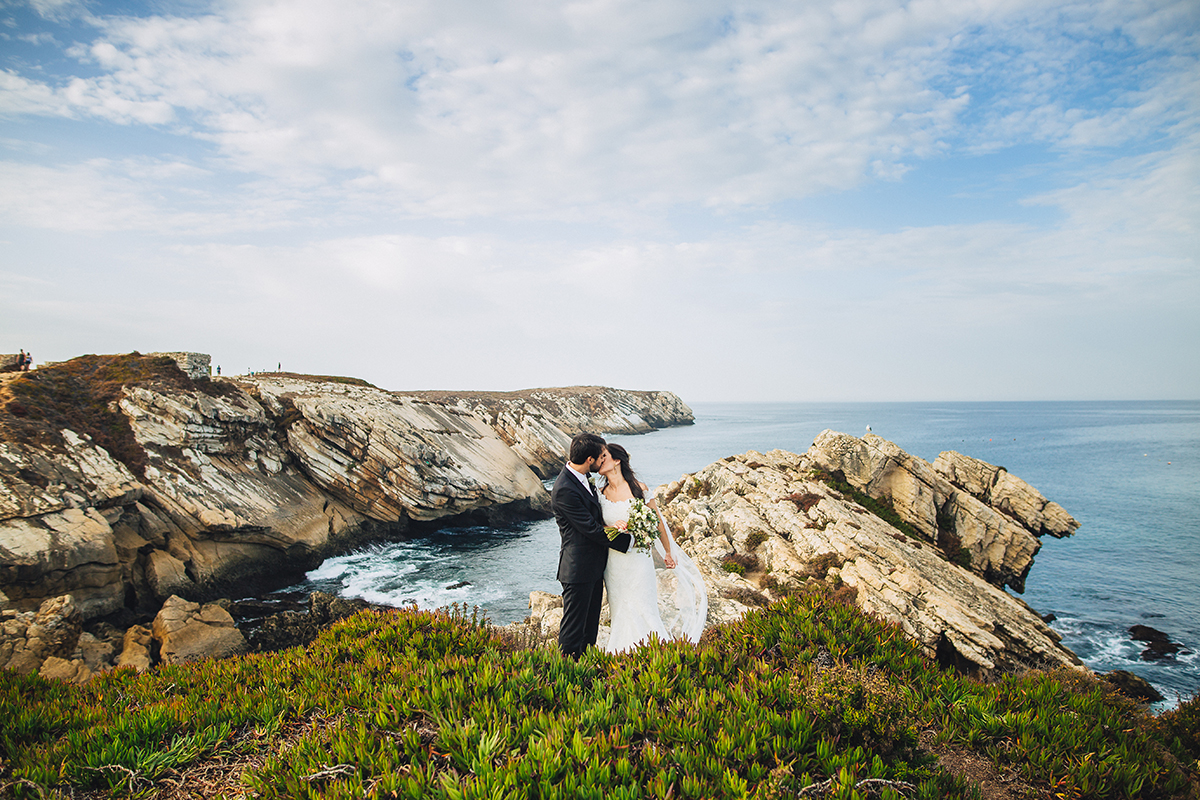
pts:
pixel 581 616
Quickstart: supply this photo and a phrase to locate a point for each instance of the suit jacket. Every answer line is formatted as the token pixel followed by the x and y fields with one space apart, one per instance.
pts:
pixel 584 551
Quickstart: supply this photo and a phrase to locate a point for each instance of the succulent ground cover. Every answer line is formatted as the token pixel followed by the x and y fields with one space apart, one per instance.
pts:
pixel 805 698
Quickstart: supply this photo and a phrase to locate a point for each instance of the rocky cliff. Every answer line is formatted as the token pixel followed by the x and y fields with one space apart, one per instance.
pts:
pixel 929 547
pixel 538 424
pixel 124 482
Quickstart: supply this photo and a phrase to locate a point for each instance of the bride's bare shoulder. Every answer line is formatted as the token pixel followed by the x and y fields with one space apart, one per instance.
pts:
pixel 645 488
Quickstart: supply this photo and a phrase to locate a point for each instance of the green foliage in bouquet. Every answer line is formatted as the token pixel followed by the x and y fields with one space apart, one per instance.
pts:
pixel 642 526
pixel 805 696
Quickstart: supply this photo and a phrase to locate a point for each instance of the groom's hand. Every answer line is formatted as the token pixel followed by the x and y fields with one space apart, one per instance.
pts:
pixel 621 542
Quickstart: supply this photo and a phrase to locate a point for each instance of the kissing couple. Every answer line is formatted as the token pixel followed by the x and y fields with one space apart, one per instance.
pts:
pixel 643 599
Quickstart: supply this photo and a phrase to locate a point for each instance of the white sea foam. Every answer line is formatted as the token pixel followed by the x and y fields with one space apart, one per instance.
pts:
pixel 403 573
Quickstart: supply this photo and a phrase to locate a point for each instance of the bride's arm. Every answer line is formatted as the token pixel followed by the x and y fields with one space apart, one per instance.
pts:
pixel 663 535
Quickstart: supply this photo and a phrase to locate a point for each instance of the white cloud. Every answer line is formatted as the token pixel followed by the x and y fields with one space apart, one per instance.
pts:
pixel 459 112
pixel 21 96
pixel 56 9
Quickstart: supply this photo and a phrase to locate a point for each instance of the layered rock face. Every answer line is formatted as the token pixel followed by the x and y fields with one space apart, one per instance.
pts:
pixel 538 424
pixel 774 507
pixel 390 456
pixel 762 525
pixel 258 477
pixel 958 502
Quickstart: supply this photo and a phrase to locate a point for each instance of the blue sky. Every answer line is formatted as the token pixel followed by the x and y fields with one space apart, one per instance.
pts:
pixel 851 200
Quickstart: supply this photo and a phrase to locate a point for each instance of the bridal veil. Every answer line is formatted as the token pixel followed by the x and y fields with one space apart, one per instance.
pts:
pixel 682 597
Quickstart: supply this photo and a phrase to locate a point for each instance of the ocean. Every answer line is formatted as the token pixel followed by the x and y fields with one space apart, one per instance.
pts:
pixel 1128 471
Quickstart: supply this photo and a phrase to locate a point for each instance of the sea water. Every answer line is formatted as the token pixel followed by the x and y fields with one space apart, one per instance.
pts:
pixel 1129 472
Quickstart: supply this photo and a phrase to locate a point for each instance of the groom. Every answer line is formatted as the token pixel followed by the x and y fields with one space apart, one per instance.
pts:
pixel 584 551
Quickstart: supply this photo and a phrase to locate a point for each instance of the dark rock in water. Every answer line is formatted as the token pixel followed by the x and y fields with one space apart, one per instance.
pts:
pixel 1049 617
pixel 1144 633
pixel 1132 686
pixel 1158 645
pixel 251 613
pixel 458 585
pixel 299 628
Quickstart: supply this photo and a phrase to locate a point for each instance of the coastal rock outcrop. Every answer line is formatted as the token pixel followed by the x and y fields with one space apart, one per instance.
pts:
pixel 781 510
pixel 976 512
pixel 390 456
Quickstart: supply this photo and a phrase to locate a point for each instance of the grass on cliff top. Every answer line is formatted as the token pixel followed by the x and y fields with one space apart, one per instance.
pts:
pixel 296 376
pixel 81 394
pixel 806 698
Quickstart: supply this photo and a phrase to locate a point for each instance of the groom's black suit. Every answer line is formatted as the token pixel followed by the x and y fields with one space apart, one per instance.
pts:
pixel 581 560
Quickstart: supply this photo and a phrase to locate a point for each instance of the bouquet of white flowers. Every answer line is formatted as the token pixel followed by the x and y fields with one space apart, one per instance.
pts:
pixel 642 526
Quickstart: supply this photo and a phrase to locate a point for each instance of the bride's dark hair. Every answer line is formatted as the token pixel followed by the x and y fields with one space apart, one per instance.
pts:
pixel 622 456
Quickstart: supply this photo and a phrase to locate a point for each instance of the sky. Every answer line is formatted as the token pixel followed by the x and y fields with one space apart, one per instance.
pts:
pixel 856 200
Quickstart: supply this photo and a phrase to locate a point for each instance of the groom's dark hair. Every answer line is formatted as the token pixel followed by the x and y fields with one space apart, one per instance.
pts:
pixel 585 446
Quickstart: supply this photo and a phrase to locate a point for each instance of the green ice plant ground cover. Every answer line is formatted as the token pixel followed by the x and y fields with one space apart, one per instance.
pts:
pixel 438 704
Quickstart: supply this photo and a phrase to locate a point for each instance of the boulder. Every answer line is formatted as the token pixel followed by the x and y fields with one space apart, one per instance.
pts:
pixel 135 649
pixel 1132 686
pixel 541 602
pixel 186 632
pixel 549 624
pixel 545 614
pixel 61 669
pixel 167 575
pixel 96 653
pixel 299 628
pixel 29 639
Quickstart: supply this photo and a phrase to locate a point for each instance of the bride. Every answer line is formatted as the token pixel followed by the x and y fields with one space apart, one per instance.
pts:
pixel 643 599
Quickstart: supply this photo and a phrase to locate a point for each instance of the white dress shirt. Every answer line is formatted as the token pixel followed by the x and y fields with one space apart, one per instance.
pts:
pixel 582 479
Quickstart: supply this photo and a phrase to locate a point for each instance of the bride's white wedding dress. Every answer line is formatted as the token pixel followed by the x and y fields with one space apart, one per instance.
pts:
pixel 645 597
